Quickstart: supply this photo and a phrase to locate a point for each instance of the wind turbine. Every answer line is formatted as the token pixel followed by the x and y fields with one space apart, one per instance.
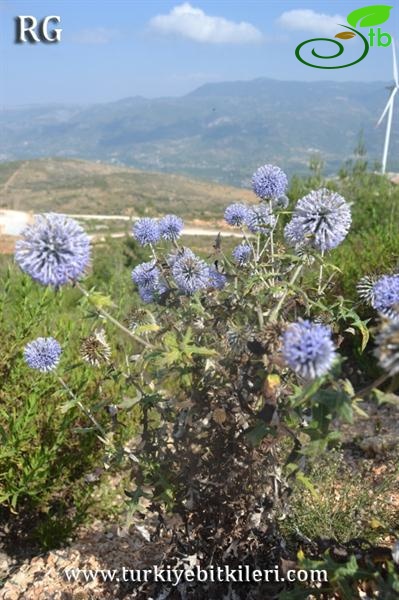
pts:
pixel 389 109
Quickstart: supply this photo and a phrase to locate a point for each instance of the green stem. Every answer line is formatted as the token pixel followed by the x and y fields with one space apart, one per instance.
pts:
pixel 114 321
pixel 379 381
pixel 176 244
pixel 259 313
pixel 272 244
pixel 248 242
pixel 257 247
pixel 86 411
pixel 154 255
pixel 274 314
pixel 319 286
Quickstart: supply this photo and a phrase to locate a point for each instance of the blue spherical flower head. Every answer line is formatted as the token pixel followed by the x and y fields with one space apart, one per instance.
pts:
pixel 321 220
pixel 146 231
pixel 235 214
pixel 43 354
pixel 170 227
pixel 260 219
pixel 385 296
pixel 308 349
pixel 217 280
pixel 54 251
pixel 190 273
pixel 242 254
pixel 146 275
pixel 269 182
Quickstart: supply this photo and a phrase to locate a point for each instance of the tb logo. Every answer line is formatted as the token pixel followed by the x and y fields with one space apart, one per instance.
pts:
pixel 29 29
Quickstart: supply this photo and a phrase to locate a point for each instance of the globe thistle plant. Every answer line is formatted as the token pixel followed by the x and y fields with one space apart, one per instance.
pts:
pixel 54 251
pixel 385 296
pixel 242 254
pixel 190 273
pixel 95 349
pixel 321 219
pixel 260 219
pixel 269 182
pixel 308 349
pixel 146 231
pixel 235 214
pixel 43 354
pixel 170 227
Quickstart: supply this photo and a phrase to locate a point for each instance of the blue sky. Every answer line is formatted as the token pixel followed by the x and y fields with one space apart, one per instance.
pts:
pixel 111 49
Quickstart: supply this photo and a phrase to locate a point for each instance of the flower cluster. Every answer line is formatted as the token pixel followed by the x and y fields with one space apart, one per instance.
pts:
pixel 190 274
pixel 269 183
pixel 43 354
pixel 258 219
pixel 54 251
pixel 149 231
pixel 308 349
pixel 321 220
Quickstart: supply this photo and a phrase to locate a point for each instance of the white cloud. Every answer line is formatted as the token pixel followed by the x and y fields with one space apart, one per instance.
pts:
pixel 309 20
pixel 99 35
pixel 193 23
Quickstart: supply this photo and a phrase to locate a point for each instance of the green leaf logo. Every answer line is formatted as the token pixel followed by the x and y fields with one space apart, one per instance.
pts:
pixel 368 16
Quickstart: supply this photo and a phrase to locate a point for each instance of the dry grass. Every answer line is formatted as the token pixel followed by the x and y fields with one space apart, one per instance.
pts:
pixel 78 186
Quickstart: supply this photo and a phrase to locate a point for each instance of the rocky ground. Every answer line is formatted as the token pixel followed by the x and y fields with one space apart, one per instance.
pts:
pixel 42 577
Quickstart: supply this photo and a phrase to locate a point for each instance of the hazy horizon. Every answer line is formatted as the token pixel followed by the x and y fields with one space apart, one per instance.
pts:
pixel 117 49
pixel 175 96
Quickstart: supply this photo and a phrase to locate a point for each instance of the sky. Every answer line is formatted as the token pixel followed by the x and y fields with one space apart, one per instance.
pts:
pixel 113 49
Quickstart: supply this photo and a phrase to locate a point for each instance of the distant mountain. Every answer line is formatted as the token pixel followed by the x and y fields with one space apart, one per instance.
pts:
pixel 220 131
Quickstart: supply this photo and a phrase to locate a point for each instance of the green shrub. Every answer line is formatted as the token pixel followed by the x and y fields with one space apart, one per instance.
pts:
pixel 47 452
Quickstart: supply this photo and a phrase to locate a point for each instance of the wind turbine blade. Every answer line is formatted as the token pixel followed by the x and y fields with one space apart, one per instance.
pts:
pixel 387 137
pixel 395 64
pixel 387 107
